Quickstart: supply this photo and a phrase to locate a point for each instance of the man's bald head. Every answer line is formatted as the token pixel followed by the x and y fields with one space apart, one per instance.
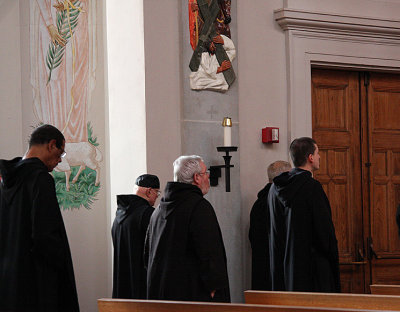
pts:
pixel 276 168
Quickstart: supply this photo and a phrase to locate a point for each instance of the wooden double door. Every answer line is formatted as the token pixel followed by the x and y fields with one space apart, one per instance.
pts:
pixel 356 123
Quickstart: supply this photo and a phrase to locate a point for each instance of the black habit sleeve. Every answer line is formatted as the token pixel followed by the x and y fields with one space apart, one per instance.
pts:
pixel 209 247
pixel 324 233
pixel 51 253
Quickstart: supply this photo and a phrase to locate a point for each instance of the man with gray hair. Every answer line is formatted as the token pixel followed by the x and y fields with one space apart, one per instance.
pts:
pixel 259 230
pixel 184 250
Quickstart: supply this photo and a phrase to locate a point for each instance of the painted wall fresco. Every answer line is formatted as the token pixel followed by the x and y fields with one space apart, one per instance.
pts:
pixel 63 64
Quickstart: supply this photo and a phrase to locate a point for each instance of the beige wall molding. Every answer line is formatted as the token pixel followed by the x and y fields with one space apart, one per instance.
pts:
pixel 291 19
pixel 331 40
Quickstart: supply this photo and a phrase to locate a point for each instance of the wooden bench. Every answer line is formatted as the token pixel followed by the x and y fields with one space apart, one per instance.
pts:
pixel 127 305
pixel 393 290
pixel 331 300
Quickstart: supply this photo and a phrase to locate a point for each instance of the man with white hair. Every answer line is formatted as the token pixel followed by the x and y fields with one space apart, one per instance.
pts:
pixel 184 250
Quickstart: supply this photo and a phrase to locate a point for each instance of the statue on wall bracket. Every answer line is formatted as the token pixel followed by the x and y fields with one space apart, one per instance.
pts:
pixel 210 38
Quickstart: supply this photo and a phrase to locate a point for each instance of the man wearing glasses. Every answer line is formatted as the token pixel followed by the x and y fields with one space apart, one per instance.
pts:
pixel 128 234
pixel 184 250
pixel 36 271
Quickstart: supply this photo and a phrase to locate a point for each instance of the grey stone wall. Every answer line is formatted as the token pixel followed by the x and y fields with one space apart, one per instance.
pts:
pixel 202 132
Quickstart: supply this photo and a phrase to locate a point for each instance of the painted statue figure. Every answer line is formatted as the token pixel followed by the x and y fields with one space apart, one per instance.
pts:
pixel 211 18
pixel 221 23
pixel 209 75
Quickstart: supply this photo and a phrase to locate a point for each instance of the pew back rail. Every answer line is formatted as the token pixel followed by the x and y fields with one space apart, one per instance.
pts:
pixel 130 305
pixel 331 300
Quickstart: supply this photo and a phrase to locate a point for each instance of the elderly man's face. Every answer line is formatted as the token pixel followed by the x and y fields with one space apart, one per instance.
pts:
pixel 153 195
pixel 204 179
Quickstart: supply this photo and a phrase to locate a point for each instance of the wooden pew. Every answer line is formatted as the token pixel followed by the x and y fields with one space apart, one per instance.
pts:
pixel 127 305
pixel 331 300
pixel 393 290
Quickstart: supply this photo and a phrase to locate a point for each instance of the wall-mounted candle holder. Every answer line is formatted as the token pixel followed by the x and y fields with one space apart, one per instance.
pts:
pixel 215 171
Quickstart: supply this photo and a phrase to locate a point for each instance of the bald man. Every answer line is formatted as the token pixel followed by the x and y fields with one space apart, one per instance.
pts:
pixel 128 234
pixel 259 230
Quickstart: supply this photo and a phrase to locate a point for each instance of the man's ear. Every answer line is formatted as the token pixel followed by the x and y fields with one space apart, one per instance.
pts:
pixel 196 178
pixel 52 144
pixel 310 158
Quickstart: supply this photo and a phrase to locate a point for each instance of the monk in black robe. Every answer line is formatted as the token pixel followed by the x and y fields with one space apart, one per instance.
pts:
pixel 184 250
pixel 303 246
pixel 128 234
pixel 36 272
pixel 259 231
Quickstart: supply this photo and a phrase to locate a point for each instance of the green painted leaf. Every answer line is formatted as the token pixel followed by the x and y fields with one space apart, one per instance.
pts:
pixel 55 53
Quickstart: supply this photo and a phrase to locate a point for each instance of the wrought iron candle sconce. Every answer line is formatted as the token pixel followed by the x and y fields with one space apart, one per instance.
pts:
pixel 215 171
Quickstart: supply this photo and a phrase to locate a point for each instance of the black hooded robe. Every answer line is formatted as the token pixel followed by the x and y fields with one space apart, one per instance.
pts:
pixel 36 272
pixel 259 240
pixel 184 250
pixel 303 246
pixel 128 234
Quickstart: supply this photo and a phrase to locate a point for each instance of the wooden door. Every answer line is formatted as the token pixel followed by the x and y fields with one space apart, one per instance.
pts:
pixel 336 128
pixel 383 176
pixel 356 123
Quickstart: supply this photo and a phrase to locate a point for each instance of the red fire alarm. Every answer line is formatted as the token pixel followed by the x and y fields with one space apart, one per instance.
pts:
pixel 270 135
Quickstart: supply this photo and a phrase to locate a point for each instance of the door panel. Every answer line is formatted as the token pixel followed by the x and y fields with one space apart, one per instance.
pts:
pixel 384 175
pixel 336 129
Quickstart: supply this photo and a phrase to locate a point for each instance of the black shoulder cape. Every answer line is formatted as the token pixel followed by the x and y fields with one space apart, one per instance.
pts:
pixel 303 246
pixel 259 240
pixel 184 249
pixel 128 234
pixel 36 272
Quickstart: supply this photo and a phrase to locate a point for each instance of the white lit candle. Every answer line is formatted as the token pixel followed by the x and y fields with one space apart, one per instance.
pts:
pixel 227 124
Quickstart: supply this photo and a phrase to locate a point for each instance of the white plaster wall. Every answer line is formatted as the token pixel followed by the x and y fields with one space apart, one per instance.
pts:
pixel 163 53
pixel 262 102
pixel 126 112
pixel 126 120
pixel 11 141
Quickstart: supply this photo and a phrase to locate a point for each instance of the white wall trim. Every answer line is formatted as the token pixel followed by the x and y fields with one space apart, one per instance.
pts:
pixel 331 40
